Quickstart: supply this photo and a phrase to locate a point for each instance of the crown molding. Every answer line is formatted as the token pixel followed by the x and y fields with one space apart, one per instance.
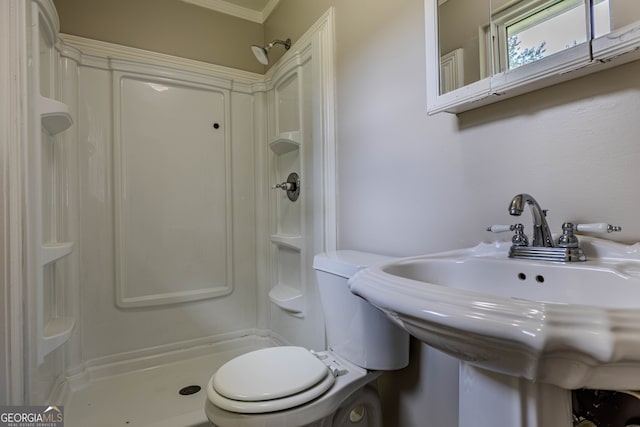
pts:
pixel 86 51
pixel 228 8
pixel 268 8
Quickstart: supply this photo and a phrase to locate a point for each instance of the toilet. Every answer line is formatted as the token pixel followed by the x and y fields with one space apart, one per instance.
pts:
pixel 291 386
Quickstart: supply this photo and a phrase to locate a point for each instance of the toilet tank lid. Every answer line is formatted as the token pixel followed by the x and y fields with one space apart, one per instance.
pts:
pixel 346 263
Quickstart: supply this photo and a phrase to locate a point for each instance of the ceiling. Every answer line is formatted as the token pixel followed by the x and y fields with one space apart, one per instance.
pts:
pixel 251 10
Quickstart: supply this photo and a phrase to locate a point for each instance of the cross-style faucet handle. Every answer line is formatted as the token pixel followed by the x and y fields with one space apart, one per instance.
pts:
pixel 519 238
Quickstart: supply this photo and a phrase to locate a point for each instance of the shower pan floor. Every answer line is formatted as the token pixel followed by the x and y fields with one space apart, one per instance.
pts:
pixel 148 397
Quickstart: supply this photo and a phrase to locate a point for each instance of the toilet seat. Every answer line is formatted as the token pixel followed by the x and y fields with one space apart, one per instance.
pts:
pixel 268 380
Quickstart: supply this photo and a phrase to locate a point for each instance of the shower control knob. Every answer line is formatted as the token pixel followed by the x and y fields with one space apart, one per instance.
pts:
pixel 286 186
pixel 291 186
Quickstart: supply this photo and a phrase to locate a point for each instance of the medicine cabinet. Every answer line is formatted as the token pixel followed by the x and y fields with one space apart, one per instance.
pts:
pixel 483 51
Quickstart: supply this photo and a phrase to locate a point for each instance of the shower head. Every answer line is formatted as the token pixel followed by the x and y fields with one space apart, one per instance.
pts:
pixel 261 53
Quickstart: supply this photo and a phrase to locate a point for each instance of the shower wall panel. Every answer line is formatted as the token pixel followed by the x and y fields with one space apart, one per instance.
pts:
pixel 172 192
pixel 168 207
pixel 296 226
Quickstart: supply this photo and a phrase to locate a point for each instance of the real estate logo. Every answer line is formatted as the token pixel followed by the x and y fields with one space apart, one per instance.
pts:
pixel 31 416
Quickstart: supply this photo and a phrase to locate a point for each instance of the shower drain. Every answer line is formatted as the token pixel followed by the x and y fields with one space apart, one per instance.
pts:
pixel 190 389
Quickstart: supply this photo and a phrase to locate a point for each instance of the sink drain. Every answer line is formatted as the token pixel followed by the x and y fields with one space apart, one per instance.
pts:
pixel 190 389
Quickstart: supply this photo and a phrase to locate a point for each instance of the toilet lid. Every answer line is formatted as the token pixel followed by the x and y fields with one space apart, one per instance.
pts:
pixel 269 373
pixel 268 380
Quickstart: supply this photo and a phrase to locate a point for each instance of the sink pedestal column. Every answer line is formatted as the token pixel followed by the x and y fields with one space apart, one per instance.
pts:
pixel 488 399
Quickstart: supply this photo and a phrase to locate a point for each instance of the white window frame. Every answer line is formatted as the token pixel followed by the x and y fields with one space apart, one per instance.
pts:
pixel 495 41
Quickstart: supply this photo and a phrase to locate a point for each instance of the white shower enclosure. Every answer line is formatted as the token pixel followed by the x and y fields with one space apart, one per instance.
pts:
pixel 153 230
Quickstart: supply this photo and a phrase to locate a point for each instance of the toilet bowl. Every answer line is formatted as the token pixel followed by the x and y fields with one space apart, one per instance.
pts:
pixel 318 411
pixel 290 386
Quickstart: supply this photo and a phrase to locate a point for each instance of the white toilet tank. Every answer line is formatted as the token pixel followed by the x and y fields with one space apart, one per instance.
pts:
pixel 355 329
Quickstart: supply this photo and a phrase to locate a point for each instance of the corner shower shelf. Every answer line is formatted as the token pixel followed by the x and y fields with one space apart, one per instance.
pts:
pixel 293 242
pixel 287 298
pixel 285 142
pixel 50 252
pixel 52 322
pixel 53 333
pixel 54 114
pixel 56 332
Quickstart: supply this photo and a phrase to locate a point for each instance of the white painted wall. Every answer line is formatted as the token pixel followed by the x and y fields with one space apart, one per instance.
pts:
pixel 413 184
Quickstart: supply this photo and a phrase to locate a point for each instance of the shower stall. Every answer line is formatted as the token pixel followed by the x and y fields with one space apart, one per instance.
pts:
pixel 152 233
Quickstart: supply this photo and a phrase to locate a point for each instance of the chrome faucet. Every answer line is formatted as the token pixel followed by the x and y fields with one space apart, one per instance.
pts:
pixel 541 233
pixel 543 247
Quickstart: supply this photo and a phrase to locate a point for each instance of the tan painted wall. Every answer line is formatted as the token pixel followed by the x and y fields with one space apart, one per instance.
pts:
pixel 165 26
pixel 291 19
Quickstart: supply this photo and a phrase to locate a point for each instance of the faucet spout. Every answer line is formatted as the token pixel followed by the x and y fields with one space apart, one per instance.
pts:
pixel 541 232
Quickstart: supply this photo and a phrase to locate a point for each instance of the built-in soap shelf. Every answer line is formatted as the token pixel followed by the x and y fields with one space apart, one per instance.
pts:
pixel 285 142
pixel 56 332
pixel 287 298
pixel 51 252
pixel 293 242
pixel 54 114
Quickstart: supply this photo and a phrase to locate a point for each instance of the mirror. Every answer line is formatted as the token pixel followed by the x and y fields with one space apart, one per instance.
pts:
pixel 478 49
pixel 460 43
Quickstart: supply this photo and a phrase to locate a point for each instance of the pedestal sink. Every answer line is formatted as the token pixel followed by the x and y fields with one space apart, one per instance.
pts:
pixel 573 325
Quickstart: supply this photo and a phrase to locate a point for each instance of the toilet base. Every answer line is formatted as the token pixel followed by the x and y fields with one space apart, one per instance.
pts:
pixel 335 405
pixel 361 409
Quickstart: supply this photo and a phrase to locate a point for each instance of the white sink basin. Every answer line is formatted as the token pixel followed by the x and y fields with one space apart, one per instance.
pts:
pixel 573 325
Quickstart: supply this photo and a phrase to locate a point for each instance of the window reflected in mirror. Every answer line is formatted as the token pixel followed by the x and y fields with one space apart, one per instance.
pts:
pixel 545 32
pixel 480 38
pixel 601 18
pixel 526 31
